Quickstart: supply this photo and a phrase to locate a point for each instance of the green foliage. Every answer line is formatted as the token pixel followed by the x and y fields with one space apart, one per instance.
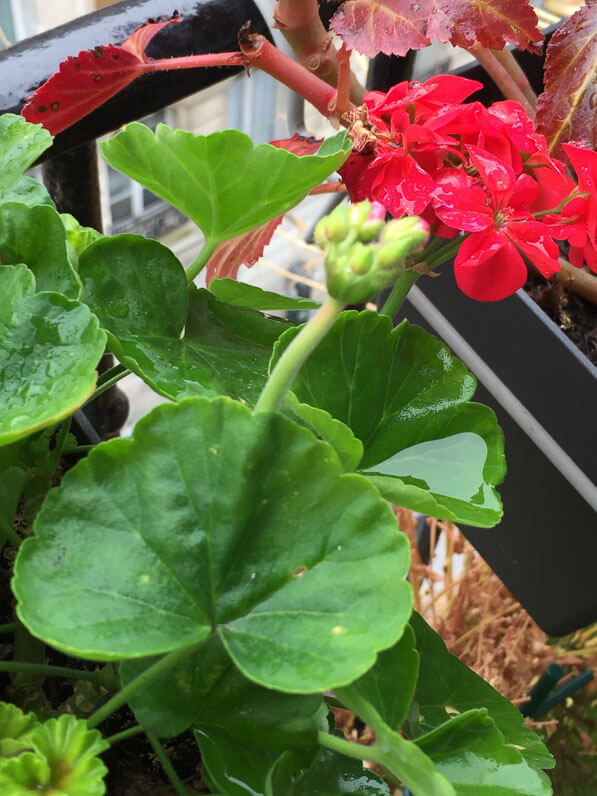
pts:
pixel 408 401
pixel 36 236
pixel 253 297
pixel 21 143
pixel 139 292
pixel 49 349
pixel 444 681
pixel 231 561
pixel 174 506
pixel 220 181
pixel 55 756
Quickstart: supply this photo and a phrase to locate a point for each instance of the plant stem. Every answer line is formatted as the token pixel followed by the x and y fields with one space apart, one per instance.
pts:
pixel 290 362
pixel 511 65
pixel 301 26
pixel 59 443
pixel 200 261
pixel 108 375
pixel 179 788
pixel 9 534
pixel 262 53
pixel 561 206
pixel 343 87
pixel 118 373
pixel 348 748
pixel 501 76
pixel 577 280
pixel 9 627
pixel 398 294
pixel 50 671
pixel 122 736
pixel 78 449
pixel 445 253
pixel 155 670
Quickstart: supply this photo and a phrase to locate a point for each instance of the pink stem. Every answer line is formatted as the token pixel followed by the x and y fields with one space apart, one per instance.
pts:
pixel 343 88
pixel 501 76
pixel 193 61
pixel 511 65
pixel 258 51
pixel 329 187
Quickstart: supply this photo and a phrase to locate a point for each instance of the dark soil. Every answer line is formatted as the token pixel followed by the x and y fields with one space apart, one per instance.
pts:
pixel 575 316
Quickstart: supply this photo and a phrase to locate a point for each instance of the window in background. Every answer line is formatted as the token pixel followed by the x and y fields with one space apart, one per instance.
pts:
pixel 128 206
pixel 7 31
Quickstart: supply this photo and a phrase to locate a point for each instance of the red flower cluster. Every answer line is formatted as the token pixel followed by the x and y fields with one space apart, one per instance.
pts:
pixel 485 172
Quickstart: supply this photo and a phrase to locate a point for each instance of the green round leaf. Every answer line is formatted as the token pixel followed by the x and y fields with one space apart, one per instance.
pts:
pixel 220 181
pixel 139 292
pixel 408 400
pixel 49 349
pixel 213 519
pixel 21 143
pixel 36 236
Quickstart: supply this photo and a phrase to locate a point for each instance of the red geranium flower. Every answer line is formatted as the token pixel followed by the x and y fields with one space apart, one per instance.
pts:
pixel 493 207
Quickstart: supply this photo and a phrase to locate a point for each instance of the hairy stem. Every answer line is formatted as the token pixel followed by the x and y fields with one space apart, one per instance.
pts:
pixel 501 76
pixel 260 52
pixel 290 362
pixel 164 664
pixel 301 26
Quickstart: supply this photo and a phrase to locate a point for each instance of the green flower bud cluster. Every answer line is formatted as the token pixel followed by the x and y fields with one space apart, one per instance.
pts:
pixel 364 255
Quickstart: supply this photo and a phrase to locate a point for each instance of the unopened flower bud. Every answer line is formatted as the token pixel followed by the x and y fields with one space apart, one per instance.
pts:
pixel 393 252
pixel 333 228
pixel 360 258
pixel 359 213
pixel 411 227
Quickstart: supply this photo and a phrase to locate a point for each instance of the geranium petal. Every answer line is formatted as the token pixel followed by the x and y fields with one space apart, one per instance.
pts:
pixel 488 267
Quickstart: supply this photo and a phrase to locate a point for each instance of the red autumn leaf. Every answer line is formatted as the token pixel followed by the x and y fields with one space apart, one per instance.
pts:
pixel 86 81
pixel 567 109
pixel 394 27
pixel 246 249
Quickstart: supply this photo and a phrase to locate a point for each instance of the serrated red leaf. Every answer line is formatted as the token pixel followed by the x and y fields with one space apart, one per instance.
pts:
pixel 138 40
pixel 246 249
pixel 86 81
pixel 243 250
pixel 394 27
pixel 567 109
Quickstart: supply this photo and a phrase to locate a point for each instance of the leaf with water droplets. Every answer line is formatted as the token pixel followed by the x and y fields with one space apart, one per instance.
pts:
pixel 396 26
pixel 49 350
pixel 567 109
pixel 213 519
